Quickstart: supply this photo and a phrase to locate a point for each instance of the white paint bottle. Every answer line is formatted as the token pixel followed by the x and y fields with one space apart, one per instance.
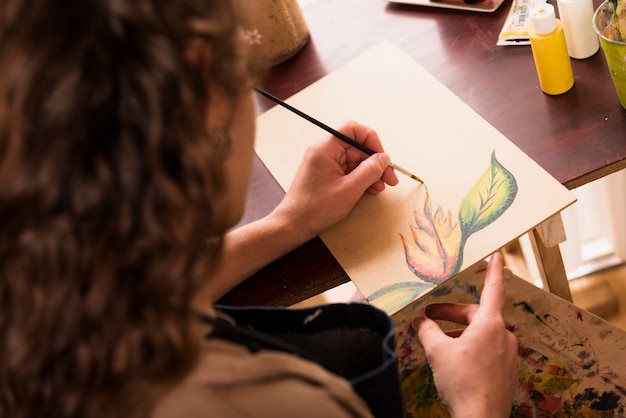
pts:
pixel 577 16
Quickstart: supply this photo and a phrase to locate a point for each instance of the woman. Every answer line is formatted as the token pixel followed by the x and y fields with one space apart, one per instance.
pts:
pixel 126 139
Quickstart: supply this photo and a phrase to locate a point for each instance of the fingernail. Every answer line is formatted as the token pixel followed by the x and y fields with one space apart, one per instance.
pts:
pixel 415 324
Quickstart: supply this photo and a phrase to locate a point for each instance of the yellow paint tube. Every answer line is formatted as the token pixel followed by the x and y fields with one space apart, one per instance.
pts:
pixel 515 29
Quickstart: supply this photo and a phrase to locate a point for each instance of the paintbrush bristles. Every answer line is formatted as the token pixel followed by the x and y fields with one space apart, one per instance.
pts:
pixel 405 172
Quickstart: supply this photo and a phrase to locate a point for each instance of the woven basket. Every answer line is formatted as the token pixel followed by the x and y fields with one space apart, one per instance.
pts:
pixel 275 29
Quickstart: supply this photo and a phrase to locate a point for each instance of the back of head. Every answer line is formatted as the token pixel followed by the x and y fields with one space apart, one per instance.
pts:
pixel 110 185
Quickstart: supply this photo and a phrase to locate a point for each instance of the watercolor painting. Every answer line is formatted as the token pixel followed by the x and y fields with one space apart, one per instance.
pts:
pixel 434 251
pixel 572 362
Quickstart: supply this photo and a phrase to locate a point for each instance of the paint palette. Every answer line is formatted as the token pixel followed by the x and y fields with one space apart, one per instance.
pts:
pixel 572 362
pixel 481 6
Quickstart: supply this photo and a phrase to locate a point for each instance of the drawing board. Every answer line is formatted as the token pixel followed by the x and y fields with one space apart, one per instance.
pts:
pixel 411 228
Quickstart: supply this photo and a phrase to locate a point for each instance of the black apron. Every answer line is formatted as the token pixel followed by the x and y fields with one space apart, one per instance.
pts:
pixel 354 341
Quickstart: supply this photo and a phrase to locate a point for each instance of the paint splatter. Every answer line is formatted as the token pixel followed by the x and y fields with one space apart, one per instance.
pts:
pixel 527 308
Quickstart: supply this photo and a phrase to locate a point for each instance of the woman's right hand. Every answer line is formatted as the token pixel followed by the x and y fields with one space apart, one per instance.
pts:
pixel 331 179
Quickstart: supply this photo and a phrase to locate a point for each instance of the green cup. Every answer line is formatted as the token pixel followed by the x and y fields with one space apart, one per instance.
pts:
pixel 614 51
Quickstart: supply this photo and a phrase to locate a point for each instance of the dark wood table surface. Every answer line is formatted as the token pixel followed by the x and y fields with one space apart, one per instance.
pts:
pixel 577 137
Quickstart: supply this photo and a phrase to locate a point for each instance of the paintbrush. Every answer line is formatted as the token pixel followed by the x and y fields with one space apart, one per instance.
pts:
pixel 334 132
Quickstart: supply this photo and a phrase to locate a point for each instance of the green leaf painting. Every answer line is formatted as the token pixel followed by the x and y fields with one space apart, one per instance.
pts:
pixel 490 196
pixel 434 251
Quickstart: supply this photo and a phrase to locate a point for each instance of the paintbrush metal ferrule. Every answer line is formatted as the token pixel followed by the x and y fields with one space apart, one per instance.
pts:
pixel 334 132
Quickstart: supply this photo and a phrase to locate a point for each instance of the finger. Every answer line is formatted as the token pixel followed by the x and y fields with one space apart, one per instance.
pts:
pixel 429 333
pixel 376 188
pixel 459 313
pixel 369 138
pixel 354 158
pixel 368 173
pixel 363 134
pixel 494 293
pixel 390 177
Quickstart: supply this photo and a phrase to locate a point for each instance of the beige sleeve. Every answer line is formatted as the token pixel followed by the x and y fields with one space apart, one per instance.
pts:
pixel 231 382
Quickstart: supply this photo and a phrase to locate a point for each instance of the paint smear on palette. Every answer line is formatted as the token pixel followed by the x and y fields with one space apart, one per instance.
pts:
pixel 434 251
pixel 547 389
pixel 566 369
pixel 552 388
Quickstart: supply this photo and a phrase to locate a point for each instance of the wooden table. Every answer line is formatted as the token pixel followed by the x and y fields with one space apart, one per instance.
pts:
pixel 577 137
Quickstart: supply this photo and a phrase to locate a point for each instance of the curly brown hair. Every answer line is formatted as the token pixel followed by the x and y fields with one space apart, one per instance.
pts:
pixel 110 185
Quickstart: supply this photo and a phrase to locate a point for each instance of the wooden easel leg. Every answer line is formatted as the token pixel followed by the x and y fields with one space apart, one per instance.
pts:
pixel 545 239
